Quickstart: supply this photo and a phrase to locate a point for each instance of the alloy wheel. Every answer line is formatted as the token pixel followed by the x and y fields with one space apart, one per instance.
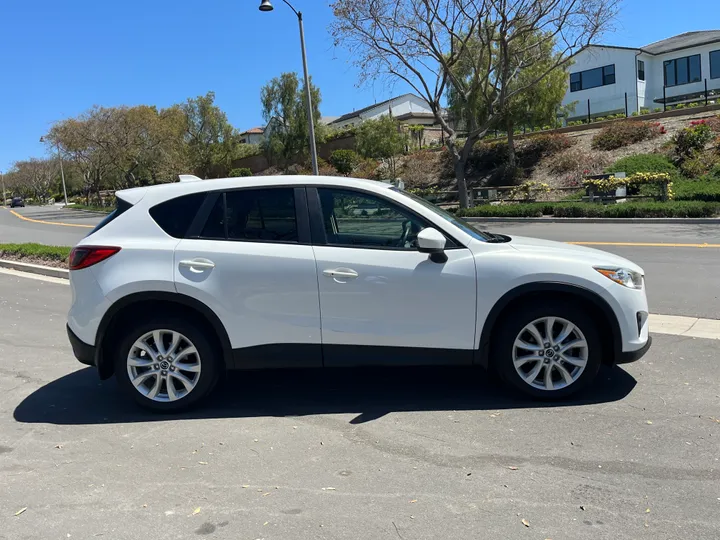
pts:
pixel 550 353
pixel 164 365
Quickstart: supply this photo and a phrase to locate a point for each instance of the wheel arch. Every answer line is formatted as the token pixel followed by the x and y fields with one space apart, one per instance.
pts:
pixel 176 301
pixel 602 312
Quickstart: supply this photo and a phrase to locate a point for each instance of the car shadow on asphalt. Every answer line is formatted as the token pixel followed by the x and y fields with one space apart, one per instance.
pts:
pixel 80 398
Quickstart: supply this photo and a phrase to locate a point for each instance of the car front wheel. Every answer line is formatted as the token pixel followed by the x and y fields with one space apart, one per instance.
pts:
pixel 548 351
pixel 166 365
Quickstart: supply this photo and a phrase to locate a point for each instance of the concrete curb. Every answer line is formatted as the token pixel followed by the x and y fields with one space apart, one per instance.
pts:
pixel 669 221
pixel 35 269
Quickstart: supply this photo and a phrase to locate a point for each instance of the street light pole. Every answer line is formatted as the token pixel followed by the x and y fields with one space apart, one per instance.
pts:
pixel 2 180
pixel 62 171
pixel 265 5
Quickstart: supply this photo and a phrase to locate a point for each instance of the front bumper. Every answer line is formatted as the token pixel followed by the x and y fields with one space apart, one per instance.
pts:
pixel 83 352
pixel 631 356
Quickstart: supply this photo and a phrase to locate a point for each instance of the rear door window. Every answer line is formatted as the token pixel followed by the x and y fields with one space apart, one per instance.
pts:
pixel 255 215
pixel 175 216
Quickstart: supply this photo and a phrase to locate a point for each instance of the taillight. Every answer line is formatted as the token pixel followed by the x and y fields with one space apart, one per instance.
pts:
pixel 84 256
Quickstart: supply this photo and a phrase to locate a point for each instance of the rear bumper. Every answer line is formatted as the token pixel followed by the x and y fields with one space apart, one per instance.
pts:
pixel 631 356
pixel 83 352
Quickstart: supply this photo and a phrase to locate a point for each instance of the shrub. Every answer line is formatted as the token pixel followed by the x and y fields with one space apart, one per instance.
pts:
pixel 703 189
pixel 576 163
pixel 547 144
pixel 699 164
pixel 344 161
pixel 657 109
pixel 242 171
pixel 644 110
pixel 621 134
pixel 681 106
pixel 506 210
pixel 599 119
pixel 487 155
pixel 634 113
pixel 692 139
pixel 657 163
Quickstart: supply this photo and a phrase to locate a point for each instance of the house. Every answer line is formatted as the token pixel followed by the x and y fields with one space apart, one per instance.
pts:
pixel 671 71
pixel 254 135
pixel 408 109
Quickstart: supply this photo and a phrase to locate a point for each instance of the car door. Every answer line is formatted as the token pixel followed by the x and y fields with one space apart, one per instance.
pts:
pixel 250 260
pixel 381 300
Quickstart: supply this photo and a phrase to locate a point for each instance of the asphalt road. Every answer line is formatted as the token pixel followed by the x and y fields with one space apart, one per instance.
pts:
pixel 406 454
pixel 77 225
pixel 680 280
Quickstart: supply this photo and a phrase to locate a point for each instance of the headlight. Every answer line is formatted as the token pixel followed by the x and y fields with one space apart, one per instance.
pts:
pixel 623 276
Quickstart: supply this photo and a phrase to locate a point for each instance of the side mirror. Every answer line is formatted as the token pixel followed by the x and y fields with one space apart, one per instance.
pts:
pixel 432 241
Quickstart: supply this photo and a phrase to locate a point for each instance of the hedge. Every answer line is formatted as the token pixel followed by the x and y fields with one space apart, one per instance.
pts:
pixel 672 209
pixel 704 189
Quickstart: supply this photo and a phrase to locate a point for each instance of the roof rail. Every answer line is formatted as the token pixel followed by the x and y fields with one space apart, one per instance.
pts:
pixel 188 178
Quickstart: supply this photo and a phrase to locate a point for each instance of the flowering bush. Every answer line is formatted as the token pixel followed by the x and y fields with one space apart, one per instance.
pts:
pixel 621 134
pixel 528 190
pixel 692 139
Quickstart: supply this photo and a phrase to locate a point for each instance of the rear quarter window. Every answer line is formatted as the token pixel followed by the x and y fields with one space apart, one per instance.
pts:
pixel 120 208
pixel 176 215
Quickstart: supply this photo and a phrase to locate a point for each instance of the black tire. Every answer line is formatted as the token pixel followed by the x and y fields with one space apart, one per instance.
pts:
pixel 209 359
pixel 513 323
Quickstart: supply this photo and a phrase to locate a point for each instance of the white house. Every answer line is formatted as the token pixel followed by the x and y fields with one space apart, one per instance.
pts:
pixel 674 70
pixel 408 109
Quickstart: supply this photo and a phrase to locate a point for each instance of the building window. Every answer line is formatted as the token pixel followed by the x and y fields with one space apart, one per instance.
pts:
pixel 684 70
pixel 715 65
pixel 641 70
pixel 592 78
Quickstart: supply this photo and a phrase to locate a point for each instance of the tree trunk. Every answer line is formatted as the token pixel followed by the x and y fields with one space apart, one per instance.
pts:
pixel 461 182
pixel 511 145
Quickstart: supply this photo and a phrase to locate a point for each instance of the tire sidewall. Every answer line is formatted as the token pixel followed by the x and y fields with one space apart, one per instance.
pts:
pixel 208 358
pixel 510 327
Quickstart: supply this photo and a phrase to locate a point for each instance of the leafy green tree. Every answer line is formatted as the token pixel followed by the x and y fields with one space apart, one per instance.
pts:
pixel 422 42
pixel 344 161
pixel 381 139
pixel 285 109
pixel 211 140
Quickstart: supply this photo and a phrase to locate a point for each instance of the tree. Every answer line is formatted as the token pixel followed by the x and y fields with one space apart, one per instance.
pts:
pixel 210 138
pixel 422 42
pixel 381 139
pixel 34 177
pixel 84 141
pixel 537 105
pixel 285 109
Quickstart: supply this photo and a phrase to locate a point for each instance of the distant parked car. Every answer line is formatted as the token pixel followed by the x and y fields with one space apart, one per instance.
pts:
pixel 17 201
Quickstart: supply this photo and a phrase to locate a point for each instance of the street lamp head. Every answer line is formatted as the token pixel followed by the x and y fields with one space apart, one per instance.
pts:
pixel 265 5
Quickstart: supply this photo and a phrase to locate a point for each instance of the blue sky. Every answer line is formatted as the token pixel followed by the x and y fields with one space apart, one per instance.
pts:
pixel 57 59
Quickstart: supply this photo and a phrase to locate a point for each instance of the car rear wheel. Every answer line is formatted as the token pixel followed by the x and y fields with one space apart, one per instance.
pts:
pixel 166 364
pixel 548 351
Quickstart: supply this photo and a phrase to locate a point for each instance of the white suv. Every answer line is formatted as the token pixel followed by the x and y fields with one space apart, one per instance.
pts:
pixel 189 279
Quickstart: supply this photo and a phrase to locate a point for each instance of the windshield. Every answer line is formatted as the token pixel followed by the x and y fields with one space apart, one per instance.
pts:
pixel 455 220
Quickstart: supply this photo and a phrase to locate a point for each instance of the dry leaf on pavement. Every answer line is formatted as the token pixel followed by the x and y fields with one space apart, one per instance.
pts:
pixel 196 511
pixel 513 468
pixel 526 522
pixel 21 511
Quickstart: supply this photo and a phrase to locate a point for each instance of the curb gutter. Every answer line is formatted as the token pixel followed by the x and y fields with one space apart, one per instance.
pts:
pixel 35 269
pixel 669 221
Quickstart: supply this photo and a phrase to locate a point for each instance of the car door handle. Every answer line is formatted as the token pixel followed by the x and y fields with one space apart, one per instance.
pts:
pixel 342 273
pixel 198 264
